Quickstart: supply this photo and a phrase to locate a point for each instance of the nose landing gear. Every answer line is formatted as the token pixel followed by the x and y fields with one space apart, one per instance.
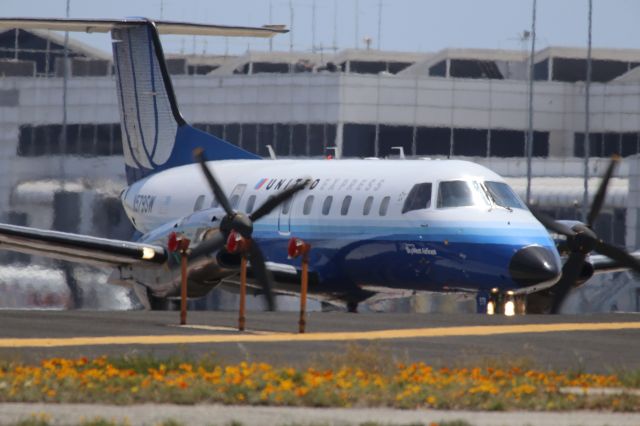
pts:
pixel 502 303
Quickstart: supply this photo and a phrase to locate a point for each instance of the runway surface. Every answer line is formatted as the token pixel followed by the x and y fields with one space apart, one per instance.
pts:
pixel 594 343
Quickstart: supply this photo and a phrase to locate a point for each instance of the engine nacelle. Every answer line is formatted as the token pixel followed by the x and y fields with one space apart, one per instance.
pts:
pixel 229 261
pixel 585 274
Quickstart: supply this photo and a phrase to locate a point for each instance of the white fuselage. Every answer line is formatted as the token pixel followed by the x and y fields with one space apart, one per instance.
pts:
pixel 365 241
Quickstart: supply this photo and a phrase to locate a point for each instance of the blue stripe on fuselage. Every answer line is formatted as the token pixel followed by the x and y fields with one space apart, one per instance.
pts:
pixel 438 258
pixel 386 263
pixel 409 258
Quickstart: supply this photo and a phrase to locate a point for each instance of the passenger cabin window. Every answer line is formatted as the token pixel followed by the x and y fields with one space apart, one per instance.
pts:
pixel 344 210
pixel 250 204
pixel 503 195
pixel 236 194
pixel 419 198
pixel 384 206
pixel 308 205
pixel 367 206
pixel 199 203
pixel 326 206
pixel 234 201
pixel 455 193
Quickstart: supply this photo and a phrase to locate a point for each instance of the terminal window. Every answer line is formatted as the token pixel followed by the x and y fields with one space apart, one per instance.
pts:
pixel 80 139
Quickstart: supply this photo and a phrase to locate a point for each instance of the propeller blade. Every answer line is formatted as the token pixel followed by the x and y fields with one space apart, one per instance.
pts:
pixel 551 224
pixel 198 153
pixel 570 273
pixel 618 255
pixel 210 245
pixel 261 274
pixel 598 200
pixel 268 206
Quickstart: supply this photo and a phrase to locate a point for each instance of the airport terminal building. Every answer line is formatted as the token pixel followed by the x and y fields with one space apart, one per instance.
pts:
pixel 463 103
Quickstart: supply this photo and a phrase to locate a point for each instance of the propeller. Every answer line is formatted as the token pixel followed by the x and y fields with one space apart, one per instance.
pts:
pixel 581 240
pixel 236 225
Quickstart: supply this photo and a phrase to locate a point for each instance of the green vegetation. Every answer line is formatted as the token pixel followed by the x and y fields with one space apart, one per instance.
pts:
pixel 359 377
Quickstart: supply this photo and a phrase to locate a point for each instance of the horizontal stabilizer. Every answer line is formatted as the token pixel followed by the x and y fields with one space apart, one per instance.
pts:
pixel 163 27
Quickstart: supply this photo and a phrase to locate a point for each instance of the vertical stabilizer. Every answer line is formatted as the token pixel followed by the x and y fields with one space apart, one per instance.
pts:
pixel 155 136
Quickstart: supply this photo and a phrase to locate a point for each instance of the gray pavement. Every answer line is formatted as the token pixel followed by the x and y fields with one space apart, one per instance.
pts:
pixel 196 415
pixel 584 350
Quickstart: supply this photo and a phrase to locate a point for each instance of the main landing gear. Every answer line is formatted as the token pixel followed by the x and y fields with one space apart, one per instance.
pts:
pixel 502 303
pixel 352 307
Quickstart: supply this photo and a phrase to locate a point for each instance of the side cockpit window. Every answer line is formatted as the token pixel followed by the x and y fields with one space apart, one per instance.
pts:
pixel 419 198
pixel 455 193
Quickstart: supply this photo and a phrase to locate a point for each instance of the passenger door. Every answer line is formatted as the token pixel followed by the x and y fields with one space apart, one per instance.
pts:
pixel 284 216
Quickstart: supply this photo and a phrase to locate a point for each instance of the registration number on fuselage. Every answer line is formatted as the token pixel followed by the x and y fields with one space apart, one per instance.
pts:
pixel 143 203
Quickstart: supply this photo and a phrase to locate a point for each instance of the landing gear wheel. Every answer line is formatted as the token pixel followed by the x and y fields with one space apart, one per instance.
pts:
pixel 501 303
pixel 521 304
pixel 161 304
pixel 495 304
pixel 352 307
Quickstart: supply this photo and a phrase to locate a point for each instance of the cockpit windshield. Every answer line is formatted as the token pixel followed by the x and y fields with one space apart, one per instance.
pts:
pixel 503 195
pixel 460 193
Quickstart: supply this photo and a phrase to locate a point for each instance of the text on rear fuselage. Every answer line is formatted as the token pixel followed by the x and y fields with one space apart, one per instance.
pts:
pixel 143 203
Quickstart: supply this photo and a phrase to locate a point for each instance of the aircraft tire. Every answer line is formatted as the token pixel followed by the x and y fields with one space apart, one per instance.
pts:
pixel 352 307
pixel 521 305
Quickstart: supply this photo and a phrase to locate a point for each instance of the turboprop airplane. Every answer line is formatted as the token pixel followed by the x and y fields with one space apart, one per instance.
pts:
pixel 417 225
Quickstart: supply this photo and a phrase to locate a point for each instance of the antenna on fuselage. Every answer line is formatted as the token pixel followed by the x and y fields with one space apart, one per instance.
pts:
pixel 400 151
pixel 272 153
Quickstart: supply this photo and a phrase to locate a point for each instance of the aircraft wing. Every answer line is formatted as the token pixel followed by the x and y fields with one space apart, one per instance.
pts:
pixel 78 248
pixel 602 264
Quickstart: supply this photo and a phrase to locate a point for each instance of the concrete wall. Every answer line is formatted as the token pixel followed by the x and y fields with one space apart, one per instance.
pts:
pixel 335 97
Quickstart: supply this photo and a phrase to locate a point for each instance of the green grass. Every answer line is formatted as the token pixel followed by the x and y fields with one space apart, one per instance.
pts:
pixel 630 378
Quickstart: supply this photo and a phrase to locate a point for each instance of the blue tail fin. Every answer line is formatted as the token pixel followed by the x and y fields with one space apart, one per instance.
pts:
pixel 155 136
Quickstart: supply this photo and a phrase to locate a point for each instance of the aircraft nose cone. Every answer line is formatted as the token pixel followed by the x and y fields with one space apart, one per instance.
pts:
pixel 533 265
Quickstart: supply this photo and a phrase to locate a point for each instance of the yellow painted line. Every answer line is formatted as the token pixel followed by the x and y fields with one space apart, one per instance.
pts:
pixel 486 330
